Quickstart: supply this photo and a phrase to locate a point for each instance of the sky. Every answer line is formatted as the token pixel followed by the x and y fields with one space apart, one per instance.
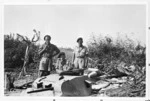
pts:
pixel 65 23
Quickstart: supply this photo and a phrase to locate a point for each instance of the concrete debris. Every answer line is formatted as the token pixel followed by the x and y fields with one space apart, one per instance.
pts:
pixel 76 87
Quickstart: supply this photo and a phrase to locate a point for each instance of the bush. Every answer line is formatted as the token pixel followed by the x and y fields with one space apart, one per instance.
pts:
pixel 111 52
pixel 14 52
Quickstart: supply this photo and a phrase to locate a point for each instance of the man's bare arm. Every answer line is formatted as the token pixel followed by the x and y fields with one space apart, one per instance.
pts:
pixel 41 50
pixel 73 58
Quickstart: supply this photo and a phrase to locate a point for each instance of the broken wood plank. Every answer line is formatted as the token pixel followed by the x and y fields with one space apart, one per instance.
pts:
pixel 40 90
pixel 26 85
pixel 23 83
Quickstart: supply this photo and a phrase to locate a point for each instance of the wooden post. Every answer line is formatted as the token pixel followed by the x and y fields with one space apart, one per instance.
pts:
pixel 8 81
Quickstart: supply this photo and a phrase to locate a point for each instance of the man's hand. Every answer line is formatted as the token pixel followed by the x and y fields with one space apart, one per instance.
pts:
pixel 80 56
pixel 45 47
pixel 42 49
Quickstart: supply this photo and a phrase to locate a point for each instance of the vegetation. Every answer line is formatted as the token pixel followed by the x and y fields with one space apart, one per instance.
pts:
pixel 116 53
pixel 102 50
pixel 14 53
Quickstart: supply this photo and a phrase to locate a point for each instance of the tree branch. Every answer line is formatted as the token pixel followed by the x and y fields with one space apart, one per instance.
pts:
pixel 37 34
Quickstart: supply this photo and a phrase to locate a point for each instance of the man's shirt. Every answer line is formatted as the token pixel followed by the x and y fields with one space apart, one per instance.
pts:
pixel 50 49
pixel 80 51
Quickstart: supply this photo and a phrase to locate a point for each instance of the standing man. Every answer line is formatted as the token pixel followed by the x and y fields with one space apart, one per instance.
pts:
pixel 47 51
pixel 80 55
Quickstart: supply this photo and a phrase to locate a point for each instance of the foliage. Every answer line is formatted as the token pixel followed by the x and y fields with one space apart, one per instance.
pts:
pixel 14 51
pixel 110 53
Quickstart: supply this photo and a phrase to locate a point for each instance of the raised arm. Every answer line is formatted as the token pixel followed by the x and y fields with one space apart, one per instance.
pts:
pixel 41 50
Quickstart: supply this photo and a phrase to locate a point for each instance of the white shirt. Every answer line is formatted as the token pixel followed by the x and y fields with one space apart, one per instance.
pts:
pixel 80 51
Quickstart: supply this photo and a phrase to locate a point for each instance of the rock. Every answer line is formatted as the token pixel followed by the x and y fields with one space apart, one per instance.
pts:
pixel 76 87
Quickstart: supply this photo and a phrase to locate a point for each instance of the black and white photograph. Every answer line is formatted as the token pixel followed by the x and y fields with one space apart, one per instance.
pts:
pixel 75 50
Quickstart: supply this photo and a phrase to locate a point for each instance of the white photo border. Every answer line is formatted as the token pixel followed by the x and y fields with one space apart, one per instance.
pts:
pixel 147 98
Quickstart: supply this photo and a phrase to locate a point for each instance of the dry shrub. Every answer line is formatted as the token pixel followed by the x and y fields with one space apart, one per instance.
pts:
pixel 14 51
pixel 111 54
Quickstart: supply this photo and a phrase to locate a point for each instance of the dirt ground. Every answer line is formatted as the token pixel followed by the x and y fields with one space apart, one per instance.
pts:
pixel 112 90
pixel 99 84
pixel 15 92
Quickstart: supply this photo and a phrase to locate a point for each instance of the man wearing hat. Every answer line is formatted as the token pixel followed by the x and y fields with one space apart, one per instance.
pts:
pixel 80 55
pixel 61 61
pixel 47 51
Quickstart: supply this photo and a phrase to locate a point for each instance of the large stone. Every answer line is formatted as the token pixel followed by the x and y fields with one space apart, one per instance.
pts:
pixel 76 87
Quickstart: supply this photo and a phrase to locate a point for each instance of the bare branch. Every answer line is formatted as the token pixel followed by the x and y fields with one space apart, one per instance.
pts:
pixel 21 36
pixel 23 39
pixel 27 38
pixel 33 37
pixel 37 34
pixel 34 30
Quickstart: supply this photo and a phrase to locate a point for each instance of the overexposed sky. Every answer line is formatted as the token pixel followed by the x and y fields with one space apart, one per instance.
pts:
pixel 65 23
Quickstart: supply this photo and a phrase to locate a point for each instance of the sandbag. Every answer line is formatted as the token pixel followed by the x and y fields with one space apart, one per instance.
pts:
pixel 76 87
